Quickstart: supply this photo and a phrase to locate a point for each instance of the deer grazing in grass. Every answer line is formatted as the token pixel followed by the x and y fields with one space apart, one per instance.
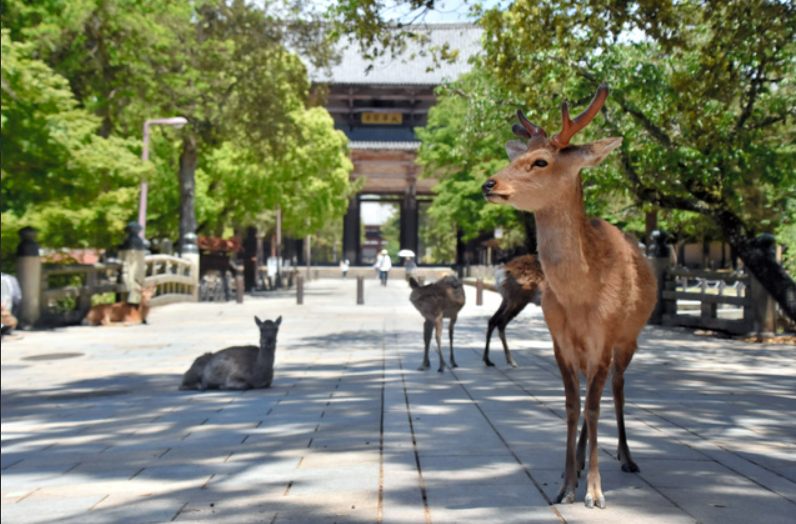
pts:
pixel 237 367
pixel 121 312
pixel 519 283
pixel 599 290
pixel 442 299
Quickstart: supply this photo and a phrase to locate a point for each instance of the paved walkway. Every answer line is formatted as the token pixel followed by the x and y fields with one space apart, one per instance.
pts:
pixel 94 429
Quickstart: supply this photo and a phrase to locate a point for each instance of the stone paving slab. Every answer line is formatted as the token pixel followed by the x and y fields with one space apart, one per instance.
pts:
pixel 94 429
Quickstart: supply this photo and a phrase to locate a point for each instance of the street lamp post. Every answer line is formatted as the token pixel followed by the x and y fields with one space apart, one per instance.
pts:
pixel 176 122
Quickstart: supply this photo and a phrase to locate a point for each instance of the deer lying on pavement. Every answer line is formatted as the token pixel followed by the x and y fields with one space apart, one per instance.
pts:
pixel 442 299
pixel 121 312
pixel 237 367
pixel 518 282
pixel 599 290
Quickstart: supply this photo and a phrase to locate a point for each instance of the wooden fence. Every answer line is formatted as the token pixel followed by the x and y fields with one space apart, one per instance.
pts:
pixel 714 300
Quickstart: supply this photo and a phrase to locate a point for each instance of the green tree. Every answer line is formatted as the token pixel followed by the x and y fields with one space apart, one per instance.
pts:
pixel 308 179
pixel 223 65
pixel 705 103
pixel 58 175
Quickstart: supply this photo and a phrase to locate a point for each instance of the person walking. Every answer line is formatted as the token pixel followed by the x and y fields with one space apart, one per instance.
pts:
pixel 344 267
pixel 384 264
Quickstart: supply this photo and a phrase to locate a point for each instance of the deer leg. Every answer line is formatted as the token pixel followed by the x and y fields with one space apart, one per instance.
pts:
pixel 493 322
pixel 621 360
pixel 581 455
pixel 438 333
pixel 450 336
pixel 571 378
pixel 597 376
pixel 509 315
pixel 428 326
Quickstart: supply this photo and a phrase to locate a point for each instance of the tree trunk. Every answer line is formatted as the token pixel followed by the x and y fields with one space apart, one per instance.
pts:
pixel 188 162
pixel 758 256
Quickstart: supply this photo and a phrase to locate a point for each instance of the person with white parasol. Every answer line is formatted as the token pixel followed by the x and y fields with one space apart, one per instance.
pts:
pixel 410 264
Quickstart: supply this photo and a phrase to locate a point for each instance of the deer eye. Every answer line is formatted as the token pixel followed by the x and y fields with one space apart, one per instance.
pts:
pixel 540 163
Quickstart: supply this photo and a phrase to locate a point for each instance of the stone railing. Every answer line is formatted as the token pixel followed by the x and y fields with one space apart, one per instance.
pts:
pixel 176 279
pixel 45 304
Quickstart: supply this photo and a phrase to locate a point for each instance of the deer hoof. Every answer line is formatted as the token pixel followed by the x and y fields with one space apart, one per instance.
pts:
pixel 591 502
pixel 514 364
pixel 630 467
pixel 423 367
pixel 566 497
pixel 441 369
pixel 489 362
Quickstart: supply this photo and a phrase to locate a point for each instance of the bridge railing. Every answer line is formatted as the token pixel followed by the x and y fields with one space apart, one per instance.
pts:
pixel 175 279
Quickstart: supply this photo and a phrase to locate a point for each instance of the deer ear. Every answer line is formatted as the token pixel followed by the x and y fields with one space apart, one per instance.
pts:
pixel 596 152
pixel 278 321
pixel 515 148
pixel 259 322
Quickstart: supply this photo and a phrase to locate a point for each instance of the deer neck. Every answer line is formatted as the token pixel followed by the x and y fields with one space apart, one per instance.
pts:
pixel 563 236
pixel 143 309
pixel 265 355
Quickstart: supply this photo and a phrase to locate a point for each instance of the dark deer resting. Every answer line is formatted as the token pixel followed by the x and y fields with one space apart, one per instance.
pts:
pixel 519 283
pixel 442 299
pixel 237 367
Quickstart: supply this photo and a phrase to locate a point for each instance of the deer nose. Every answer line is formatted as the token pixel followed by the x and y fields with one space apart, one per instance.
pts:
pixel 488 186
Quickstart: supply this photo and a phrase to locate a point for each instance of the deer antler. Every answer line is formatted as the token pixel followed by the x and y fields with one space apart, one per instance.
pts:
pixel 527 130
pixel 570 127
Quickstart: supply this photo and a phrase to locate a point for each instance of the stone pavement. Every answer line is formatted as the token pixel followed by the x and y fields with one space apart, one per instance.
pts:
pixel 94 429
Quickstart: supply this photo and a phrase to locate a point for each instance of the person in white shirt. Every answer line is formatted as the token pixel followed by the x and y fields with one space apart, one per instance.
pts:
pixel 384 264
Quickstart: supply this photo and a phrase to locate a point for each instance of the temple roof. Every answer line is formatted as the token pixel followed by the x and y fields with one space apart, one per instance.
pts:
pixel 415 66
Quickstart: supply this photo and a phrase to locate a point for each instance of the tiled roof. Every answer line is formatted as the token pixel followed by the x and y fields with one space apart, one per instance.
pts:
pixel 403 146
pixel 411 67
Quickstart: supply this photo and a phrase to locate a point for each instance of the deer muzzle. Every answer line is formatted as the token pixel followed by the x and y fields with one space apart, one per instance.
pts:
pixel 489 192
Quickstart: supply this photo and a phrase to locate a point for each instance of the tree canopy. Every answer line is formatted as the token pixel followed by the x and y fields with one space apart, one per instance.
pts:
pixel 234 69
pixel 58 174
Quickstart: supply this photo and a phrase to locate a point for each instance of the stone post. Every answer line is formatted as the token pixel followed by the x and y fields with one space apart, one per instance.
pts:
pixel 250 258
pixel 479 292
pixel 660 261
pixel 299 289
pixel 131 255
pixel 360 290
pixel 29 276
pixel 190 252
pixel 763 306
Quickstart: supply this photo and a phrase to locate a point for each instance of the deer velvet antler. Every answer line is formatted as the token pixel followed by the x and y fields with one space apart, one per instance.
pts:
pixel 570 127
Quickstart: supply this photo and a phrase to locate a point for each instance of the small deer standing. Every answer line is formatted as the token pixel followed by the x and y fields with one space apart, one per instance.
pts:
pixel 599 289
pixel 121 312
pixel 519 283
pixel 442 299
pixel 237 367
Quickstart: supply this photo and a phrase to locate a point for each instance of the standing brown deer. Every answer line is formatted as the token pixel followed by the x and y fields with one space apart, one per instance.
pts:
pixel 442 299
pixel 121 312
pixel 599 289
pixel 519 283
